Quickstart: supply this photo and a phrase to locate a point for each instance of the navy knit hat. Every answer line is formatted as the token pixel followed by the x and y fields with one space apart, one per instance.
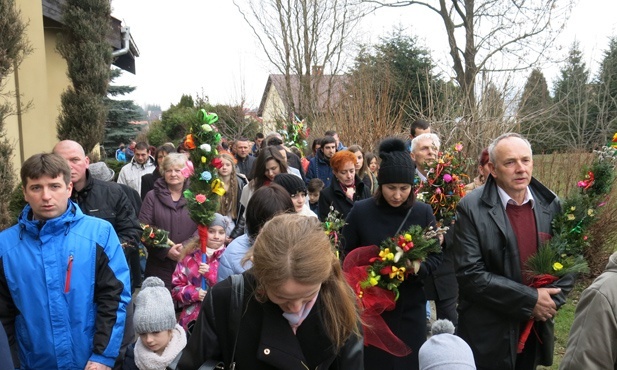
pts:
pixel 292 183
pixel 396 165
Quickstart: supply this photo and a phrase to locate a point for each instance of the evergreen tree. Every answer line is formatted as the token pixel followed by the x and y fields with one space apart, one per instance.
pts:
pixel 399 67
pixel 534 113
pixel 13 47
pixel 574 121
pixel 120 113
pixel 84 46
pixel 607 90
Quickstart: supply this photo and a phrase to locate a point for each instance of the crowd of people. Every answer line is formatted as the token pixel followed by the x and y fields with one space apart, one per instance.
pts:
pixel 272 294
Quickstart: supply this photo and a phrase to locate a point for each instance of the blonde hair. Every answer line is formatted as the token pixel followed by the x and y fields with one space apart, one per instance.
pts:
pixel 173 159
pixel 228 204
pixel 280 254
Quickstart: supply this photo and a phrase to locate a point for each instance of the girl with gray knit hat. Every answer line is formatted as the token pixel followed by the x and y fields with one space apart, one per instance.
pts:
pixel 161 340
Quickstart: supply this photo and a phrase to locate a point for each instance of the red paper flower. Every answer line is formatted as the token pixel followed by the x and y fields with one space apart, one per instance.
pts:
pixel 217 163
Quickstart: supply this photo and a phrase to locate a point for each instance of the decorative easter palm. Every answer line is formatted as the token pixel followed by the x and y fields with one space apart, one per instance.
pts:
pixel 205 189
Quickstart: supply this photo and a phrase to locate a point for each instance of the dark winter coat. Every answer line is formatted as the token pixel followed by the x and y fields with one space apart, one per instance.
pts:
pixel 333 196
pixel 266 341
pixel 370 224
pixel 111 202
pixel 441 284
pixel 319 167
pixel 158 209
pixel 240 222
pixel 493 301
pixel 147 181
pixel 245 165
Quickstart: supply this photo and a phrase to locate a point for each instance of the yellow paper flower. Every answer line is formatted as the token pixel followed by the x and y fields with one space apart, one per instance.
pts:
pixel 373 281
pixel 407 237
pixel 557 266
pixel 572 208
pixel 217 187
pixel 399 273
pixel 203 159
pixel 571 217
pixel 590 212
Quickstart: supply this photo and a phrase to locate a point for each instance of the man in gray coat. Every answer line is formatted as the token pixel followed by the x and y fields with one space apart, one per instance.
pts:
pixel 498 227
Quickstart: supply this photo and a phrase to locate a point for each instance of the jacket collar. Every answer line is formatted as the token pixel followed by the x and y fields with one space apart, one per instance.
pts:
pixel 55 226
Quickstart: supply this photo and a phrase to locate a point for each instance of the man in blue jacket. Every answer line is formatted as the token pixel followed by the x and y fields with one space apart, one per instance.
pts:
pixel 64 281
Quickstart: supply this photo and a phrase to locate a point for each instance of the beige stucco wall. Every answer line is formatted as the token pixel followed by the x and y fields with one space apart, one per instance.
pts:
pixel 273 109
pixel 40 80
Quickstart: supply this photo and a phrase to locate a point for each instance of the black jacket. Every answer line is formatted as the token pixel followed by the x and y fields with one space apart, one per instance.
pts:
pixel 240 221
pixel 245 165
pixel 265 339
pixel 370 224
pixel 147 182
pixel 108 201
pixel 334 196
pixel 493 300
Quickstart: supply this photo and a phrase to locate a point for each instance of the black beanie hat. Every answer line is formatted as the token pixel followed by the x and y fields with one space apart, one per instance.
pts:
pixel 292 183
pixel 396 165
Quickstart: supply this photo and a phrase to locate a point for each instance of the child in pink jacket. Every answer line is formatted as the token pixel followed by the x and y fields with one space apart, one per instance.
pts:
pixel 186 279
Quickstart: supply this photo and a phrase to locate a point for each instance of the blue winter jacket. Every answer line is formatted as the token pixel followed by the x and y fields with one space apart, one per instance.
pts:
pixel 319 168
pixel 230 262
pixel 64 287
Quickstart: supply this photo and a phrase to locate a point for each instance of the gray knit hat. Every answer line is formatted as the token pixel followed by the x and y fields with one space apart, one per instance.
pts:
pixel 100 171
pixel 154 309
pixel 219 220
pixel 396 165
pixel 444 350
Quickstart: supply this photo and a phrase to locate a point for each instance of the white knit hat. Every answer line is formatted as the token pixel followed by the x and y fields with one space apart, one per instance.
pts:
pixel 444 350
pixel 154 309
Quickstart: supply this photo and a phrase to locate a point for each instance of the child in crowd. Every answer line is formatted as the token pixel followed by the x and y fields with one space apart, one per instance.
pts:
pixel 186 279
pixel 444 350
pixel 296 188
pixel 314 187
pixel 161 340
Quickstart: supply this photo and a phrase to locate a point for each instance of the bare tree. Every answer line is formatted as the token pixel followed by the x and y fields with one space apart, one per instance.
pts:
pixel 493 36
pixel 302 39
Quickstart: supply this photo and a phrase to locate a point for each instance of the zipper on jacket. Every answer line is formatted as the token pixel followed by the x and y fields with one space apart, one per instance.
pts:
pixel 69 269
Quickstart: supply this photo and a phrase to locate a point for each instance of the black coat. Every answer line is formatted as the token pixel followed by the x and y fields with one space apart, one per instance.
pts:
pixel 147 182
pixel 370 224
pixel 493 300
pixel 265 341
pixel 334 196
pixel 441 284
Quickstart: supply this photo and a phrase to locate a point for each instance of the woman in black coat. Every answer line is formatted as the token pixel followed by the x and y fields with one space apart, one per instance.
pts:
pixel 373 220
pixel 345 189
pixel 298 311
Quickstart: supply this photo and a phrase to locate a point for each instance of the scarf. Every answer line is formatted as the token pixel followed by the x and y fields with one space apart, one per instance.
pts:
pixel 296 319
pixel 145 359
pixel 349 191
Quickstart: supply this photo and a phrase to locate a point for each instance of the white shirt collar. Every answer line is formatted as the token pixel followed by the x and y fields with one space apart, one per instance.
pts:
pixel 420 175
pixel 505 198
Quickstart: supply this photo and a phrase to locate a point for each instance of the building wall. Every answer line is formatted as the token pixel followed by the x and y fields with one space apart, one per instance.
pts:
pixel 40 80
pixel 274 109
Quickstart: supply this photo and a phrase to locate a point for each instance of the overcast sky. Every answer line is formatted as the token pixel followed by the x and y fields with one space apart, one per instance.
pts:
pixel 205 47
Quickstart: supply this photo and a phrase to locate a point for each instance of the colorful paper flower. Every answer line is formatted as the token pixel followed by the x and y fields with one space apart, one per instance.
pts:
pixel 447 177
pixel 188 169
pixel 189 142
pixel 205 147
pixel 200 198
pixel 206 176
pixel 217 163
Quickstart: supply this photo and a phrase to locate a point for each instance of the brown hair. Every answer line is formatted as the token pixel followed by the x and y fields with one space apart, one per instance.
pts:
pixel 339 159
pixel 280 255
pixel 354 149
pixel 258 174
pixel 228 205
pixel 45 164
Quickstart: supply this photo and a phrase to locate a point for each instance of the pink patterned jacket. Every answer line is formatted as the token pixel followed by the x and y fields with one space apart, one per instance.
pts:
pixel 186 282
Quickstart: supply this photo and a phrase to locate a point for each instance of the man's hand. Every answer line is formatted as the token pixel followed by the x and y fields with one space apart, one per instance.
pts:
pixel 174 252
pixel 96 366
pixel 545 307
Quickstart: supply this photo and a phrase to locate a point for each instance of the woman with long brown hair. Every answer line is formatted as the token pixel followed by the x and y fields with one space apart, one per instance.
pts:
pixel 230 206
pixel 298 310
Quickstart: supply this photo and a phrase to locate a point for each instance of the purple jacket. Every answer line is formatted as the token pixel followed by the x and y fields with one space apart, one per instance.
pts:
pixel 158 209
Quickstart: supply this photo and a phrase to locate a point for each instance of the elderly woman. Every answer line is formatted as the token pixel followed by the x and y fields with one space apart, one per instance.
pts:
pixel 298 312
pixel 346 188
pixel 165 208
